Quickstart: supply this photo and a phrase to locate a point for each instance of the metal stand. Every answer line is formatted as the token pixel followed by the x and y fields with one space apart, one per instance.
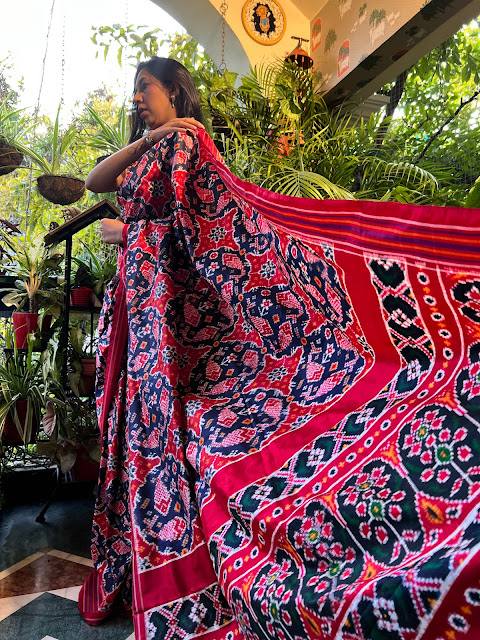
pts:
pixel 67 478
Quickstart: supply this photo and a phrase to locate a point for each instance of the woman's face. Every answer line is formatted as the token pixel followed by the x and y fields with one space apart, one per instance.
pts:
pixel 152 100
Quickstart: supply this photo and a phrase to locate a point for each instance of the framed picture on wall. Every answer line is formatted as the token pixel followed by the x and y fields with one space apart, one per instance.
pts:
pixel 264 21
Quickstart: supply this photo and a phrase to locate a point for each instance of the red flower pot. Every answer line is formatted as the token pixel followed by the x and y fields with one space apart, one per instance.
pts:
pixel 85 469
pixel 86 384
pixel 25 323
pixel 89 367
pixel 80 297
pixel 10 433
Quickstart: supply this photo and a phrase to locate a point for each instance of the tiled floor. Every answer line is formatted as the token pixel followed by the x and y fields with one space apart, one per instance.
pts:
pixel 42 567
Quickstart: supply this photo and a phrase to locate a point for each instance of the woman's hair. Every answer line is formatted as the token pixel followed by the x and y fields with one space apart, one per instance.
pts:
pixel 178 81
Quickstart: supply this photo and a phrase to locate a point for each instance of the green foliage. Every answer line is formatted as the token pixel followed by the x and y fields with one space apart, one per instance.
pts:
pixel 14 122
pixel 282 136
pixel 81 340
pixel 132 44
pixel 54 157
pixel 36 268
pixel 24 377
pixel 97 269
pixel 102 136
pixel 473 197
pixel 436 123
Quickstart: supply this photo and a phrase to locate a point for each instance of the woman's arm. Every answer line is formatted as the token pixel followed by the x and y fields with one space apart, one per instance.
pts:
pixel 108 175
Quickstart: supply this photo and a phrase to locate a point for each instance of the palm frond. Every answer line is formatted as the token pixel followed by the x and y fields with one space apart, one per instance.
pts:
pixel 307 184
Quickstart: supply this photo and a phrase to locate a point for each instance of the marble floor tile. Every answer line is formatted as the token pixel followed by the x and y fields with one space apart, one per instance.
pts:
pixel 10 605
pixel 51 616
pixel 20 565
pixel 70 556
pixel 43 574
pixel 71 593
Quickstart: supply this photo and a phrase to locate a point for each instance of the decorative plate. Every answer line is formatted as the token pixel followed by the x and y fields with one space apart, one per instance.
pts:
pixel 264 21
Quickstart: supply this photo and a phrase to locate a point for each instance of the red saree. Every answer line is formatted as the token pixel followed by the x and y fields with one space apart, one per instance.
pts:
pixel 291 442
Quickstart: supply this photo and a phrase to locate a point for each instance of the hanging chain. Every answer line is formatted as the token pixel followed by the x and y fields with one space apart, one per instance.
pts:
pixel 37 108
pixel 124 67
pixel 62 85
pixel 223 10
pixel 35 116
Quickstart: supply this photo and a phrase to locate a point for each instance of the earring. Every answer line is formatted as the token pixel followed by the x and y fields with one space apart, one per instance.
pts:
pixel 172 100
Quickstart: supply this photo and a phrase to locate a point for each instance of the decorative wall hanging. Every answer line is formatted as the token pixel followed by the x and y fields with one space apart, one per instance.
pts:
pixel 299 56
pixel 264 21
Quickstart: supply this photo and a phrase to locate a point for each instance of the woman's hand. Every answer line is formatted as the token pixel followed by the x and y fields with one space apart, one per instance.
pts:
pixel 177 124
pixel 111 230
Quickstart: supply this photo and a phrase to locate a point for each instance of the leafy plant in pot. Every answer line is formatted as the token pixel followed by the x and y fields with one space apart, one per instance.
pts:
pixel 83 360
pixel 24 386
pixel 101 271
pixel 73 436
pixel 82 285
pixel 57 187
pixel 36 268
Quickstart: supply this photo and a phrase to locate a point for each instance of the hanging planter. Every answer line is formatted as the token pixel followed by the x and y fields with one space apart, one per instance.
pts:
pixel 60 189
pixel 10 158
pixel 56 158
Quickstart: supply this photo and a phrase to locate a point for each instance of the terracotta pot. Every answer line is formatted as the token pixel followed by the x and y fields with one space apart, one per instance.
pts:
pixel 10 158
pixel 10 433
pixel 89 366
pixel 85 469
pixel 80 297
pixel 25 323
pixel 86 386
pixel 60 189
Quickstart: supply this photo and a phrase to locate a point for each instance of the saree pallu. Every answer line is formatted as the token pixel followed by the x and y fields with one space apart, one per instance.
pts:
pixel 291 432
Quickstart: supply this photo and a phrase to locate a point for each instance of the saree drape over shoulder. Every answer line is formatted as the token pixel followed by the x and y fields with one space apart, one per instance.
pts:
pixel 289 392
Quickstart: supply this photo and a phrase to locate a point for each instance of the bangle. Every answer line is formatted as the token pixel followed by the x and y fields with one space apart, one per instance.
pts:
pixel 149 140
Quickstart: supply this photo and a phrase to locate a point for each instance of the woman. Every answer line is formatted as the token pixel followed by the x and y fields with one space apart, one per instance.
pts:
pixel 287 392
pixel 164 94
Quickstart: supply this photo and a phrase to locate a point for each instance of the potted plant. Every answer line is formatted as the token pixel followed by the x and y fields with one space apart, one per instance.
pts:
pixel 23 390
pixel 102 269
pixel 73 436
pixel 13 124
pixel 35 268
pixel 83 360
pixel 54 185
pixel 82 285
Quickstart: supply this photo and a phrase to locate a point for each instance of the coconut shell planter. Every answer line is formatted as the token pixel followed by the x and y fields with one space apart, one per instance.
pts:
pixel 10 158
pixel 60 189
